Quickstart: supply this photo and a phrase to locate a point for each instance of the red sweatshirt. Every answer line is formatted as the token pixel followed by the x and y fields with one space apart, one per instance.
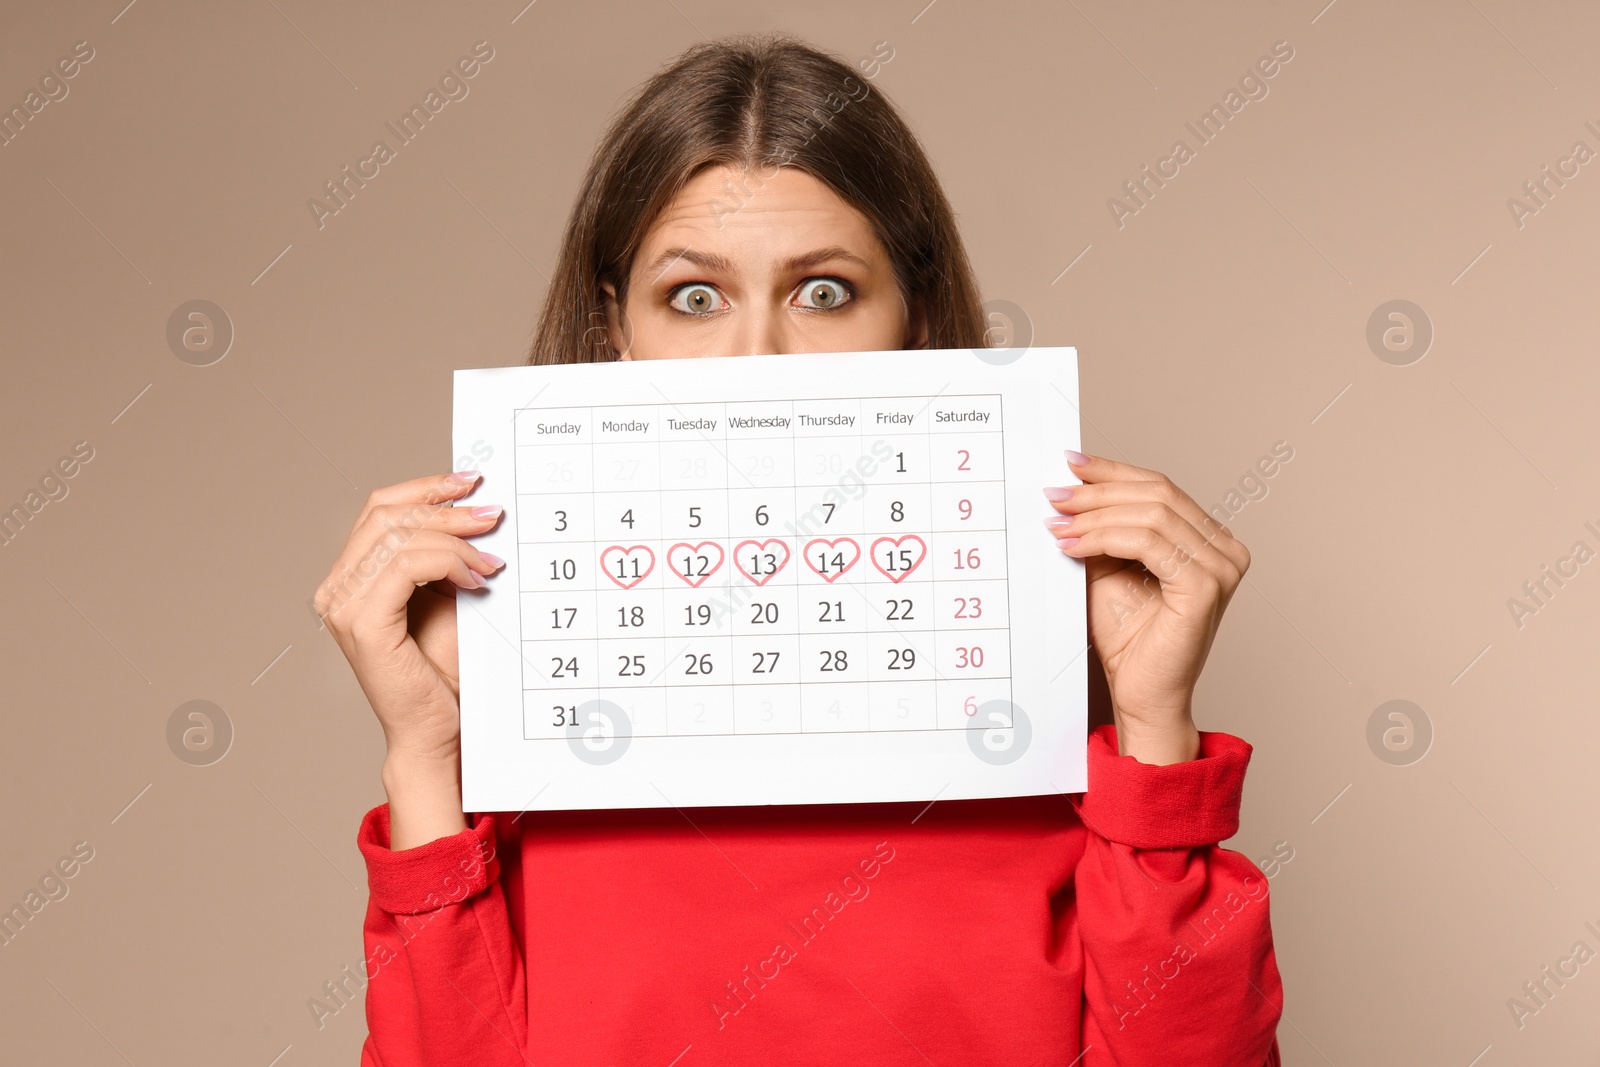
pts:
pixel 1107 927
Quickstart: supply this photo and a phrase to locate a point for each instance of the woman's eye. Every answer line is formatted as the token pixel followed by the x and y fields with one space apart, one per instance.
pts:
pixel 695 298
pixel 824 293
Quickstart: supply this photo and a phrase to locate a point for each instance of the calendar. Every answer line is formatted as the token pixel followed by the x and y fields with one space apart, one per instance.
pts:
pixel 778 579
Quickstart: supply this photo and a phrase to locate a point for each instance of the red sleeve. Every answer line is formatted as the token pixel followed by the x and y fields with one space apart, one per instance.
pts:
pixel 1177 941
pixel 444 969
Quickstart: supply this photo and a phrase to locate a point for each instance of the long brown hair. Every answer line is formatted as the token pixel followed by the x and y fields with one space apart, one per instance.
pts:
pixel 757 103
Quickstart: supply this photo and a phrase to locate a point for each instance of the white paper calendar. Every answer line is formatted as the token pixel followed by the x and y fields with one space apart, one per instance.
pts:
pixel 772 580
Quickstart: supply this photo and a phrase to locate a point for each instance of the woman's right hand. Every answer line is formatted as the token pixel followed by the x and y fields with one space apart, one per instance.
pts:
pixel 389 602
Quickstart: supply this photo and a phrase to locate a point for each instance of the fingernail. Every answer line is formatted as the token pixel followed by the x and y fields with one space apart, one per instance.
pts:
pixel 1057 522
pixel 1057 494
pixel 464 477
pixel 477 581
pixel 487 511
pixel 492 560
pixel 1077 459
pixel 1067 542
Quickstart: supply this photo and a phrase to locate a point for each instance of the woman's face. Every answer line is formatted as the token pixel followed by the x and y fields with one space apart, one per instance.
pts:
pixel 741 265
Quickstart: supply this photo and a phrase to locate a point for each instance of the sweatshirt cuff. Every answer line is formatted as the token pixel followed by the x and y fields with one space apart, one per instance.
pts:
pixel 426 878
pixel 1180 805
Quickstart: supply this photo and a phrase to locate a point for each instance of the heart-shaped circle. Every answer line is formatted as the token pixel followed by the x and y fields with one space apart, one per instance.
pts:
pixel 621 564
pixel 698 564
pixel 774 564
pixel 829 566
pixel 896 555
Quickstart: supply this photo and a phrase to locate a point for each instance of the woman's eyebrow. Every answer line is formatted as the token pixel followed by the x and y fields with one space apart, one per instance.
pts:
pixel 713 261
pixel 823 255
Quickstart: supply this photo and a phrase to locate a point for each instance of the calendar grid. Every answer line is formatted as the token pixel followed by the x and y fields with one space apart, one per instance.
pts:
pixel 655 706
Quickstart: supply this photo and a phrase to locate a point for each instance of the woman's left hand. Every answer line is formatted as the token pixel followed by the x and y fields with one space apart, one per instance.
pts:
pixel 1157 587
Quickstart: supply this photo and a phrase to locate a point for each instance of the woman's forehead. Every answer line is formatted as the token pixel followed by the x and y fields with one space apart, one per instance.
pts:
pixel 744 212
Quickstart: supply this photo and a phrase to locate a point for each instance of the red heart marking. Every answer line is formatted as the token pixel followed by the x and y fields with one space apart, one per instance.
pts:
pixel 921 553
pixel 760 546
pixel 615 560
pixel 704 548
pixel 850 551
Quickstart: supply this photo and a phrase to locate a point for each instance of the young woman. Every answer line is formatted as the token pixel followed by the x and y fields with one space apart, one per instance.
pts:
pixel 758 197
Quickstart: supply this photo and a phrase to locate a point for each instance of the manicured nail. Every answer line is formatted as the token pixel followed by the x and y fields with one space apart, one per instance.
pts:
pixel 1067 542
pixel 487 511
pixel 1077 459
pixel 492 560
pixel 1057 493
pixel 1056 523
pixel 474 581
pixel 464 477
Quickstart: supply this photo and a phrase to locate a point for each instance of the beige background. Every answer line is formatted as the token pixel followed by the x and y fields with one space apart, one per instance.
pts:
pixel 1227 315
